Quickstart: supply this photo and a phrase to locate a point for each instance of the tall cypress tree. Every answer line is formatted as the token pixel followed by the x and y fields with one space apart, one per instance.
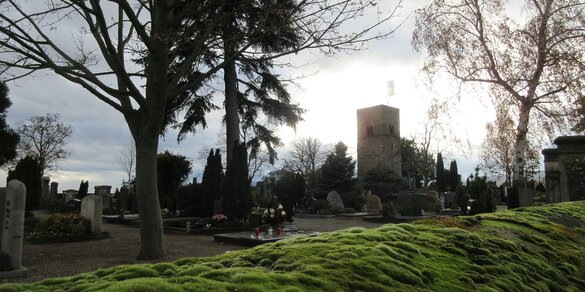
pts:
pixel 440 174
pixel 454 178
pixel 211 182
pixel 236 191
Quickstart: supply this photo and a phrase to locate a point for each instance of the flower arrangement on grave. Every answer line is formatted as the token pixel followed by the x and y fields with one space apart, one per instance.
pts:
pixel 218 220
pixel 274 215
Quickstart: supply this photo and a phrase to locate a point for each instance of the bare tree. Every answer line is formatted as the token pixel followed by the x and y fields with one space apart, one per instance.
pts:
pixel 534 66
pixel 126 158
pixel 98 58
pixel 306 155
pixel 497 149
pixel 44 138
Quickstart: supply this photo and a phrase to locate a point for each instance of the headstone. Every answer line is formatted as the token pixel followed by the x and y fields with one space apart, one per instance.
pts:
pixel 374 204
pixel 104 193
pixel 45 188
pixel 69 195
pixel 335 201
pixel 418 204
pixel 91 208
pixel 54 190
pixel 524 197
pixel 122 201
pixel 13 222
pixel 449 200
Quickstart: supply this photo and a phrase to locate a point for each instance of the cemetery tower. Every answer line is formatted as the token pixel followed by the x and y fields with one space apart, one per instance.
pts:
pixel 378 139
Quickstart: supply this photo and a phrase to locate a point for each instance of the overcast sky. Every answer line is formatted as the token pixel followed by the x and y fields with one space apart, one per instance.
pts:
pixel 333 92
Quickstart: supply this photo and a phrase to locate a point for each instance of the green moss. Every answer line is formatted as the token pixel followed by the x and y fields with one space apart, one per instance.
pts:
pixel 194 270
pixel 530 249
pixel 166 268
pixel 135 271
pixel 144 285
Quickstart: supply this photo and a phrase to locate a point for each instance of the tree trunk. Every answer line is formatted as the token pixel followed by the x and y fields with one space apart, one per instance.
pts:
pixel 232 118
pixel 521 141
pixel 145 125
pixel 151 227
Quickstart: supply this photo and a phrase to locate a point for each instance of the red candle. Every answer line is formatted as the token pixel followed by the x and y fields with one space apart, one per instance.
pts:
pixel 257 231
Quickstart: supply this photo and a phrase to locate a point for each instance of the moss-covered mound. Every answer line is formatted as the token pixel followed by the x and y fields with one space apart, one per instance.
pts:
pixel 527 249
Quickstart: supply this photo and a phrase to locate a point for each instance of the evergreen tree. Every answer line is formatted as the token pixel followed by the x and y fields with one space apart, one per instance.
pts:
pixel 29 172
pixel 461 198
pixel 454 177
pixel 383 181
pixel 211 182
pixel 172 171
pixel 9 139
pixel 479 191
pixel 440 174
pixel 236 192
pixel 338 170
pixel 83 189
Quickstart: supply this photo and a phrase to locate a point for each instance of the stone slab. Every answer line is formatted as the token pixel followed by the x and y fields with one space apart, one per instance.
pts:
pixel 19 273
pixel 249 238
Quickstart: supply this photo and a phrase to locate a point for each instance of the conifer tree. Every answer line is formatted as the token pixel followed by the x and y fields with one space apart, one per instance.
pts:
pixel 8 137
pixel 440 174
pixel 338 170
pixel 454 178
pixel 211 182
pixel 236 191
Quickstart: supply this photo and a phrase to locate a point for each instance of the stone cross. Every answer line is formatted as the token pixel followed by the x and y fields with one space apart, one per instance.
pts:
pixel 13 222
pixel 91 208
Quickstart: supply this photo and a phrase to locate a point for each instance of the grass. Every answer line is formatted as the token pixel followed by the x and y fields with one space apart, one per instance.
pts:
pixel 526 249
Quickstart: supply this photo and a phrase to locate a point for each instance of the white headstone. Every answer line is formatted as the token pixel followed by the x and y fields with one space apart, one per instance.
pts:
pixel 91 208
pixel 335 201
pixel 13 222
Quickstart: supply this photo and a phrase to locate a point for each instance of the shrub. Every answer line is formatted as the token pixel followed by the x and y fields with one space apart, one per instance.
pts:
pixel 383 181
pixel 57 225
pixel 55 206
pixel 389 210
pixel 320 206
pixel 353 200
pixel 433 203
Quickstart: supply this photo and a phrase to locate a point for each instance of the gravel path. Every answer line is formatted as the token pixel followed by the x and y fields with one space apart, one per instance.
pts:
pixel 123 244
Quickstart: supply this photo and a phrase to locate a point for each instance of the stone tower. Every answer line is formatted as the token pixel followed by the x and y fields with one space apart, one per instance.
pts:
pixel 378 138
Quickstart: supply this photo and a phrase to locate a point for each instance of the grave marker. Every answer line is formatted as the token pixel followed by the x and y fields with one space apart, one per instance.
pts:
pixel 13 222
pixel 335 201
pixel 91 208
